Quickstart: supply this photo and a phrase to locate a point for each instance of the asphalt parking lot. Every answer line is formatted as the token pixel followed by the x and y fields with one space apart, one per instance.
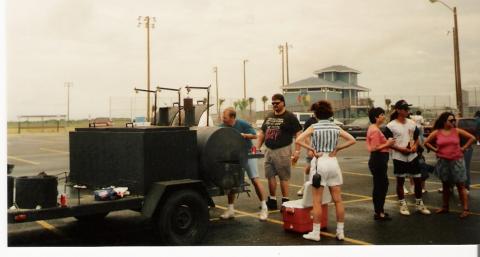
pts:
pixel 33 153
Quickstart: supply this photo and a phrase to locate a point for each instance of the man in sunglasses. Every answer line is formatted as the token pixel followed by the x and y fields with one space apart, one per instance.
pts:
pixel 404 155
pixel 278 130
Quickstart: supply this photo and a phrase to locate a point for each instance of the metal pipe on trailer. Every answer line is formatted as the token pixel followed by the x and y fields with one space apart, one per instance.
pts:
pixel 179 97
pixel 189 88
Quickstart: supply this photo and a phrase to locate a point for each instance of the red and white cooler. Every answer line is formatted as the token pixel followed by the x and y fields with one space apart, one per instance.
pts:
pixel 297 214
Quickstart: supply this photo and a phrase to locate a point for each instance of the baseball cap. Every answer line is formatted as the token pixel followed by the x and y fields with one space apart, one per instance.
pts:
pixel 402 104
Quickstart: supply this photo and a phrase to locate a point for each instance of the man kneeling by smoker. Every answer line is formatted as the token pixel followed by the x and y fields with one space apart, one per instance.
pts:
pixel 248 133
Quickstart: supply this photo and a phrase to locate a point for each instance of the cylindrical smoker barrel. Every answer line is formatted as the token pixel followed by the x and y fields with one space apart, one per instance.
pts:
pixel 31 191
pixel 163 119
pixel 222 156
pixel 189 110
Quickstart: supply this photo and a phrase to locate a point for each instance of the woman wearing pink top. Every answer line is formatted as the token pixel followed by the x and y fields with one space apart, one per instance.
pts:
pixel 378 146
pixel 450 166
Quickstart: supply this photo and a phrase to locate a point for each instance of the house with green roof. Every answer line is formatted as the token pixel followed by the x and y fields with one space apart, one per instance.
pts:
pixel 337 84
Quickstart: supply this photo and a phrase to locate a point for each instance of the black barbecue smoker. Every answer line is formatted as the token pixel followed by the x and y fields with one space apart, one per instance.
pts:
pixel 172 174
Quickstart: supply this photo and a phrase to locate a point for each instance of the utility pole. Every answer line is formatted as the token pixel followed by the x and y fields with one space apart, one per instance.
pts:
pixel 458 80
pixel 149 23
pixel 456 55
pixel 244 80
pixel 280 48
pixel 68 85
pixel 286 60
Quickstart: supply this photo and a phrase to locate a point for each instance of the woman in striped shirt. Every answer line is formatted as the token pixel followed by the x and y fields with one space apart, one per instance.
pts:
pixel 324 138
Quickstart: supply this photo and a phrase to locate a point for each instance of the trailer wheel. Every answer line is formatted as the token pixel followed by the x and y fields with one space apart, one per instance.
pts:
pixel 92 217
pixel 183 218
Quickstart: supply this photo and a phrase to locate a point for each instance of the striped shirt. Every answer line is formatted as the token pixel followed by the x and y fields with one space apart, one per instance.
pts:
pixel 325 136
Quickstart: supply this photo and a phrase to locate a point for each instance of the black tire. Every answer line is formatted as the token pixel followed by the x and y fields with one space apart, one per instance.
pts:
pixel 183 218
pixel 92 217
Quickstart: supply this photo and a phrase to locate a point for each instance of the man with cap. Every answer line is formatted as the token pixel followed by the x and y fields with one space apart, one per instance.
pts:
pixel 278 130
pixel 404 155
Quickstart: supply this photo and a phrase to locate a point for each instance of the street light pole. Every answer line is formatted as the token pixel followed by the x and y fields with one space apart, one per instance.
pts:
pixel 68 85
pixel 286 60
pixel 244 80
pixel 456 55
pixel 149 23
pixel 280 48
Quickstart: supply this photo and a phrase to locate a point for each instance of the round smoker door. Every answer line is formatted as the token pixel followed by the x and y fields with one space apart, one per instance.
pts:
pixel 222 156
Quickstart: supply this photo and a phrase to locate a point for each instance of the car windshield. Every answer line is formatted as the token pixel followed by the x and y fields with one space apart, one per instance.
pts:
pixel 305 117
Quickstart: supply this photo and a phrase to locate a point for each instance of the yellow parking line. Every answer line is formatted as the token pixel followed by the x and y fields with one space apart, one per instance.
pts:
pixel 50 227
pixel 54 150
pixel 433 207
pixel 343 193
pixel 392 178
pixel 347 239
pixel 22 160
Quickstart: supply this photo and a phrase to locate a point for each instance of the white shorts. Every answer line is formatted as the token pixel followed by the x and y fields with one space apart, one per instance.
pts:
pixel 328 168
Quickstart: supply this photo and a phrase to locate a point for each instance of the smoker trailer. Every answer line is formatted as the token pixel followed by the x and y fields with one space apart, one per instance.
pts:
pixel 171 172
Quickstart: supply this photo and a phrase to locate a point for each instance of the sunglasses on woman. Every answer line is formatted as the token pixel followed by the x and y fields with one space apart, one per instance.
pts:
pixel 276 103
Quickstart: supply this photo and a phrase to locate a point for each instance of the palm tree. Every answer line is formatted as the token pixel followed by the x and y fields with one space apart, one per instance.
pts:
pixel 250 102
pixel 370 102
pixel 387 104
pixel 264 100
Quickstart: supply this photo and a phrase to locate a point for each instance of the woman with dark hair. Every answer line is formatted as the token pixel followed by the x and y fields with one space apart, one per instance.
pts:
pixel 325 171
pixel 379 147
pixel 450 167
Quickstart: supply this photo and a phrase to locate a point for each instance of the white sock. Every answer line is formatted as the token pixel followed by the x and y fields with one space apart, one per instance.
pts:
pixel 402 202
pixel 316 228
pixel 340 226
pixel 230 208
pixel 418 201
pixel 272 197
pixel 264 205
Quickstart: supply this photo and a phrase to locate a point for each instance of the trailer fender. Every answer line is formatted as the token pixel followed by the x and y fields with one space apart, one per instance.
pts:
pixel 159 192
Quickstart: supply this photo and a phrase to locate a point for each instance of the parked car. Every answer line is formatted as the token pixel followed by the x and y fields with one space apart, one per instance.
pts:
pixel 100 122
pixel 358 128
pixel 304 116
pixel 467 124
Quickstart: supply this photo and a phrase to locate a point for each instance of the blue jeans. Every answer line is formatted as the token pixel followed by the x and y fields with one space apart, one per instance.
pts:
pixel 468 158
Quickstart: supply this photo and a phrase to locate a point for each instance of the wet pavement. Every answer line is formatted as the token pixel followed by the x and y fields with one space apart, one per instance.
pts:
pixel 32 153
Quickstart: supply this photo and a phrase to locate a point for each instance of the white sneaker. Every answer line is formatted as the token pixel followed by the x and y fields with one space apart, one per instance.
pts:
pixel 314 236
pixel 263 215
pixel 300 192
pixel 404 210
pixel 422 209
pixel 228 214
pixel 340 235
pixel 405 190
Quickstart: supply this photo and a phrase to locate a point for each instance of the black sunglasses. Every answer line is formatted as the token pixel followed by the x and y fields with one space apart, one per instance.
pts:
pixel 276 103
pixel 452 120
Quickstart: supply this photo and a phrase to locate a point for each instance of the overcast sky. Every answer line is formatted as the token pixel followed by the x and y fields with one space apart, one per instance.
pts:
pixel 401 48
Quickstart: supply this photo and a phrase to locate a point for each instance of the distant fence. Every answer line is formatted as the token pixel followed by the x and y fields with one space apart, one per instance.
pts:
pixel 41 122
